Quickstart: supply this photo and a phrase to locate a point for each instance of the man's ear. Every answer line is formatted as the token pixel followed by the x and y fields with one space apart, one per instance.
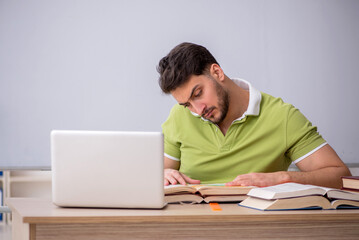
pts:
pixel 217 72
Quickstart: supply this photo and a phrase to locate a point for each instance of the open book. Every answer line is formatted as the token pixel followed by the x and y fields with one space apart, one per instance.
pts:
pixel 290 196
pixel 205 192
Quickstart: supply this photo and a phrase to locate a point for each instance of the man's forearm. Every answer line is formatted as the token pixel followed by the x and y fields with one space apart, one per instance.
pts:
pixel 327 177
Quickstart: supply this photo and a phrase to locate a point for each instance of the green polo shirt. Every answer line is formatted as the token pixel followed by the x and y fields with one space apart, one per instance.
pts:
pixel 267 138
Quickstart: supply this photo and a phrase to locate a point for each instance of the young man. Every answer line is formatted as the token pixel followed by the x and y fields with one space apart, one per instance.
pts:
pixel 225 131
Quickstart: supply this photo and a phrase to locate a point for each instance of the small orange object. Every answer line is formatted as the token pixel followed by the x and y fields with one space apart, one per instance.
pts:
pixel 215 207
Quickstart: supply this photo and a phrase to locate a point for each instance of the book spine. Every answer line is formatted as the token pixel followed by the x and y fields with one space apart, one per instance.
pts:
pixel 1 201
pixel 350 189
pixel 351 177
pixel 1 197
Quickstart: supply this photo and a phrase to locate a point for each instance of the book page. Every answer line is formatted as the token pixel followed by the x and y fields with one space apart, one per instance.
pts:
pixel 341 194
pixel 175 189
pixel 287 190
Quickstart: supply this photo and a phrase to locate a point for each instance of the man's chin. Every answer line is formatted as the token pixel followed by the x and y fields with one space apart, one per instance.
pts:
pixel 217 121
pixel 214 121
pixel 210 119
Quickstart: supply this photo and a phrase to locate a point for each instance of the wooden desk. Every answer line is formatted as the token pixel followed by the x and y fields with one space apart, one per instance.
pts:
pixel 40 219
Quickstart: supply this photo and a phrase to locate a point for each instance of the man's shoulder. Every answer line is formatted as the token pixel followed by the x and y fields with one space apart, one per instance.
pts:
pixel 179 111
pixel 180 114
pixel 271 103
pixel 181 120
pixel 177 108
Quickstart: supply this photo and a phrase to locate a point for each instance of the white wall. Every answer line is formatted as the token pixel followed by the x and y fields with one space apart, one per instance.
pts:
pixel 90 64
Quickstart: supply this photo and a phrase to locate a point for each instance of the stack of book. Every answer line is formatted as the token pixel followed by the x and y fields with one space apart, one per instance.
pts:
pixel 292 196
pixel 205 193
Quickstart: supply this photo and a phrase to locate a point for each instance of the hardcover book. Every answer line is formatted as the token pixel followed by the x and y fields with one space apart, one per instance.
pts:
pixel 351 183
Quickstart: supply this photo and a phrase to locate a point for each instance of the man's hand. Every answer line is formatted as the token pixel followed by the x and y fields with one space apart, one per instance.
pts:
pixel 172 176
pixel 260 179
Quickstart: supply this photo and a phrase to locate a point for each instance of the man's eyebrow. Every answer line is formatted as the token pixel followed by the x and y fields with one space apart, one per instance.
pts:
pixel 193 89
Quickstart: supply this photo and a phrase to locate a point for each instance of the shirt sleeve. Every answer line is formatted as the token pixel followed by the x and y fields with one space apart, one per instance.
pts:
pixel 171 143
pixel 302 137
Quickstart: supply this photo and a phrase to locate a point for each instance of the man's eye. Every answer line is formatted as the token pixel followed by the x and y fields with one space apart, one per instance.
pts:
pixel 198 93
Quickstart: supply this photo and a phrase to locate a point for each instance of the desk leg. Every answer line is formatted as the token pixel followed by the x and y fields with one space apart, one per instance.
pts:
pixel 20 230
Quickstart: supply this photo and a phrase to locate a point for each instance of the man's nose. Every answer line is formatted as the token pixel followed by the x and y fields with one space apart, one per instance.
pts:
pixel 199 107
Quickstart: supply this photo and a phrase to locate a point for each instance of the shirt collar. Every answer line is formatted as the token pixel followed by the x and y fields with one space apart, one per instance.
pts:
pixel 255 98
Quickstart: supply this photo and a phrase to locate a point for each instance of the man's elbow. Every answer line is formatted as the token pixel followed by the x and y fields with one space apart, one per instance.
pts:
pixel 345 171
pixel 341 171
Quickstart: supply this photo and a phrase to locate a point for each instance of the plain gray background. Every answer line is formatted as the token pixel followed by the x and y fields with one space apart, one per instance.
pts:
pixel 91 65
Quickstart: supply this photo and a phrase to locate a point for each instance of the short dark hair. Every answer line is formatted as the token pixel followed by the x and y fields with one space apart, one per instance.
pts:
pixel 183 61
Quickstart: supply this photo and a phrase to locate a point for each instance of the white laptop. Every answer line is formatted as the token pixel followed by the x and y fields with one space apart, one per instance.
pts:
pixel 107 169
